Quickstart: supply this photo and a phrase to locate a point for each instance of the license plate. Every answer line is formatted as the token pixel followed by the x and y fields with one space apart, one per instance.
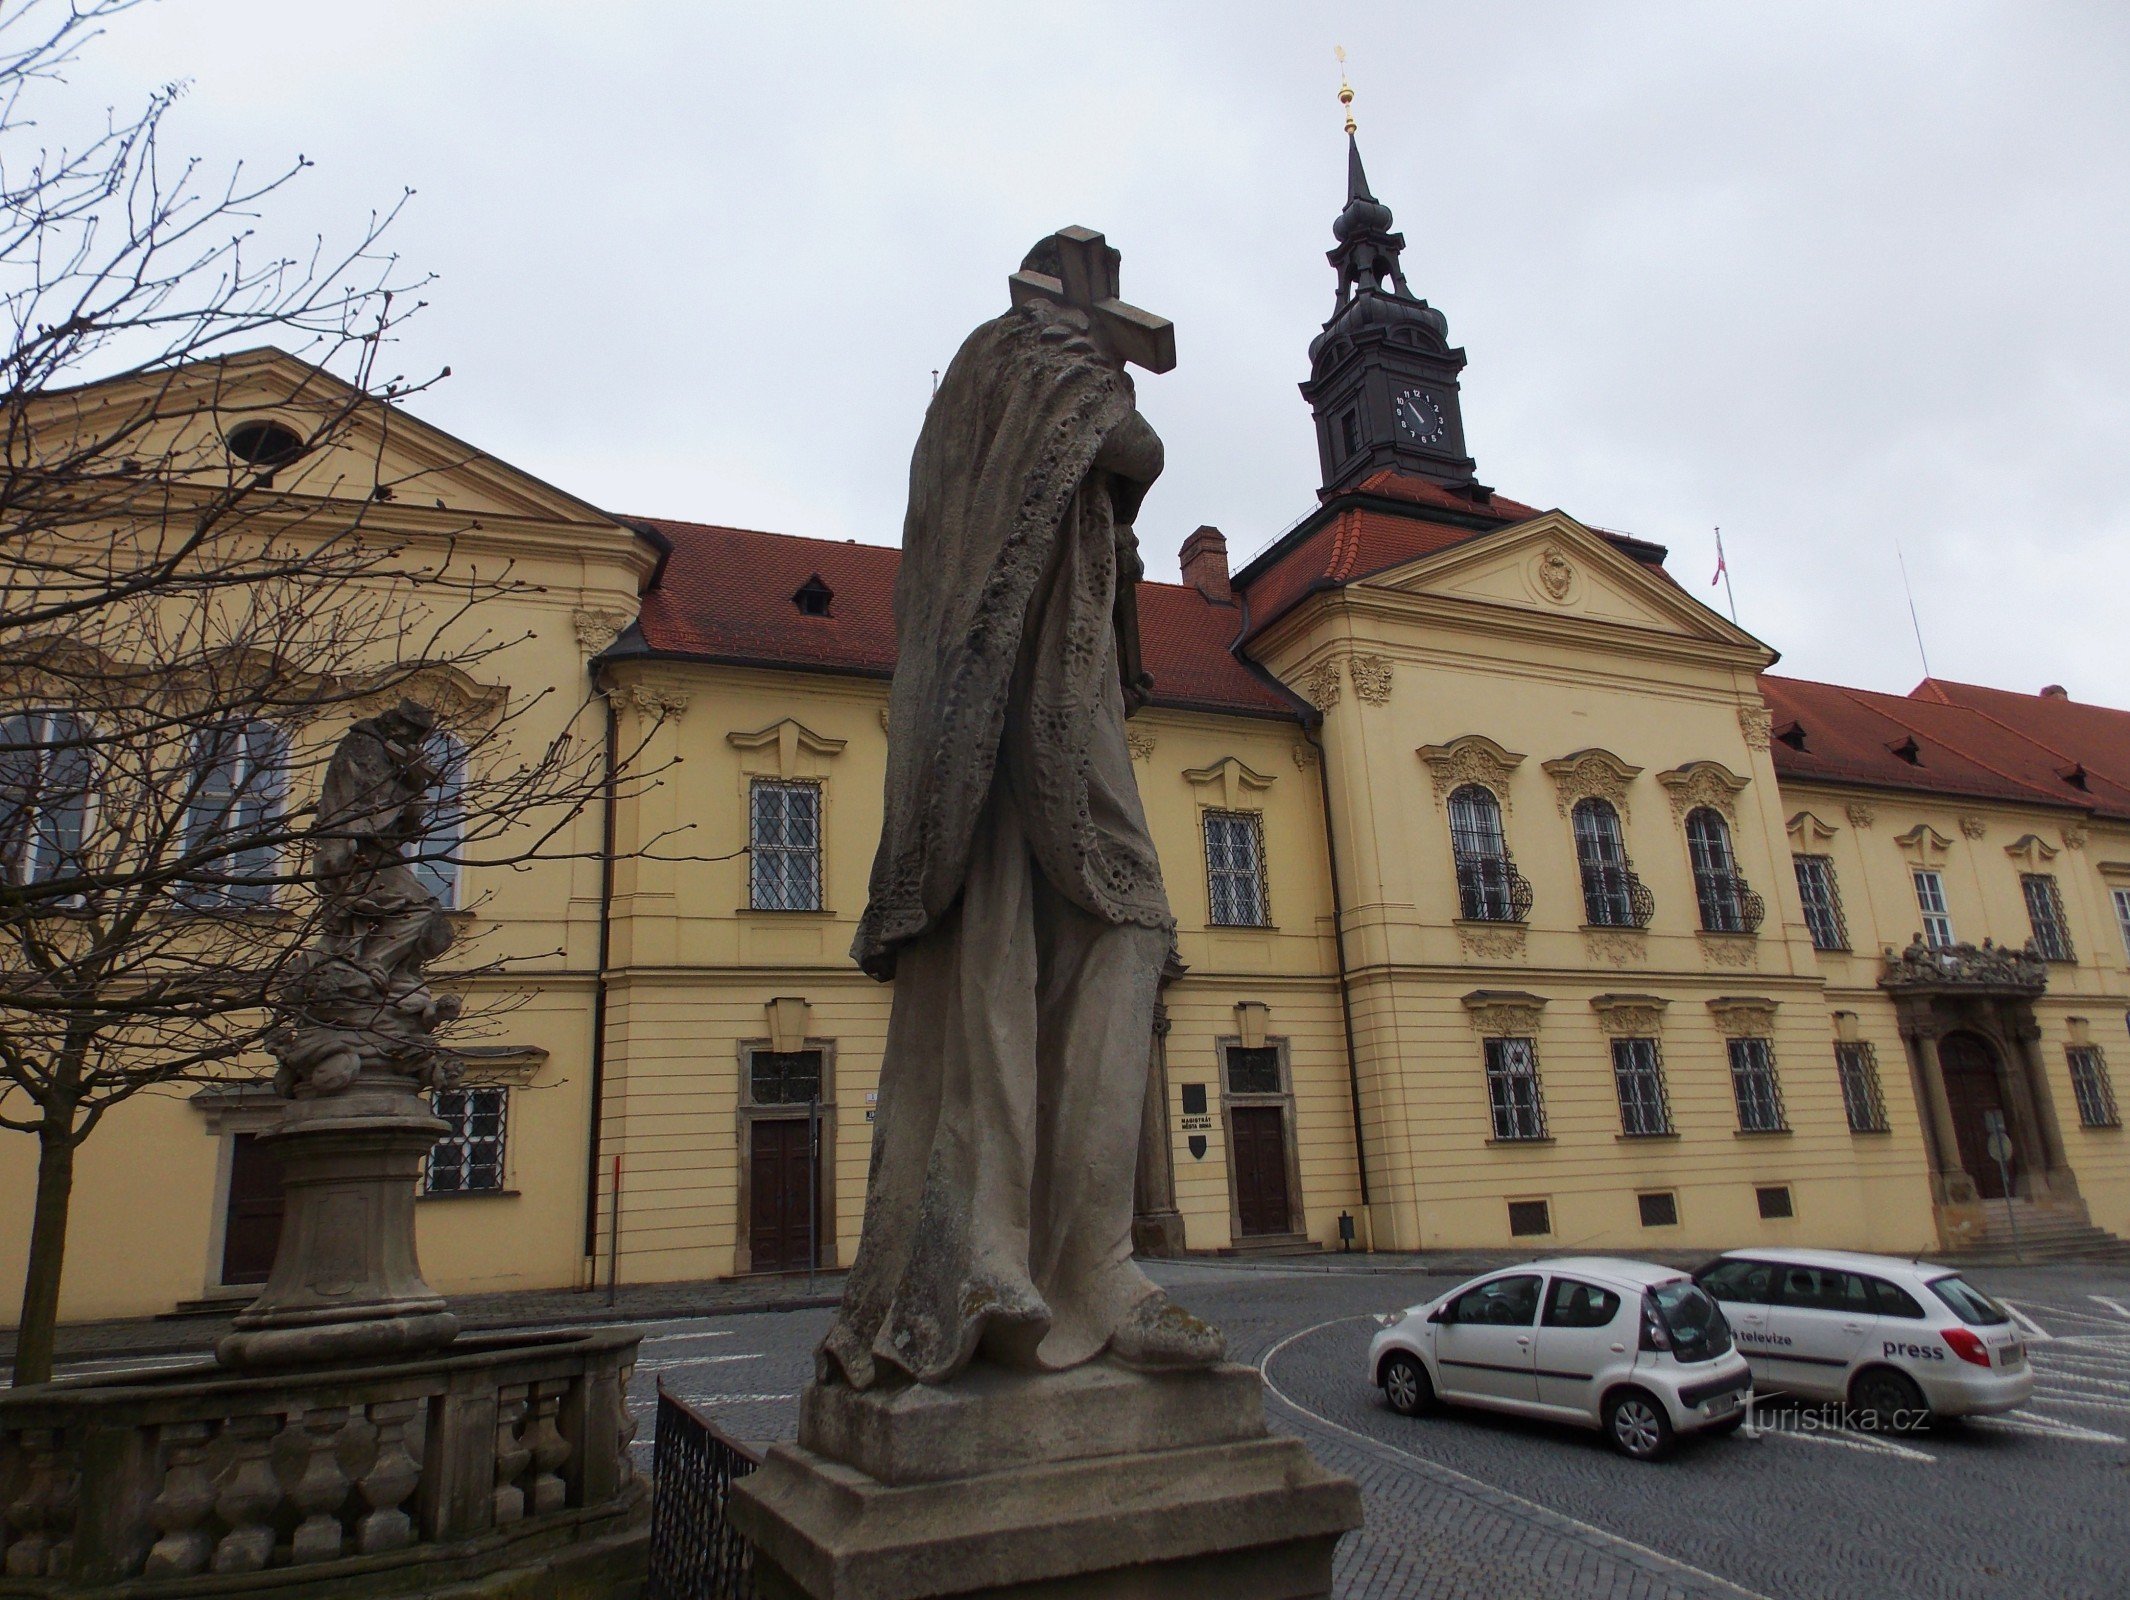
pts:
pixel 1722 1406
pixel 2011 1355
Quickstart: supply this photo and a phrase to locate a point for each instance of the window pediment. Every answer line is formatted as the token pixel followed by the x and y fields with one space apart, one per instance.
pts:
pixel 1473 758
pixel 1703 783
pixel 785 749
pixel 1809 835
pixel 2031 852
pixel 1923 845
pixel 1504 1013
pixel 1743 1016
pixel 1230 783
pixel 1591 774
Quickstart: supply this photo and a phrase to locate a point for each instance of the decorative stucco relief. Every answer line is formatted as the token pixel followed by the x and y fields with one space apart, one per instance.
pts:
pixel 1743 1017
pixel 1630 1015
pixel 2074 838
pixel 659 700
pixel 1555 575
pixel 597 629
pixel 1142 743
pixel 1591 775
pixel 1973 826
pixel 1488 942
pixel 1472 759
pixel 1616 947
pixel 1320 684
pixel 1729 949
pixel 1371 679
pixel 1704 783
pixel 1504 1013
pixel 1304 754
pixel 1758 726
pixel 1860 815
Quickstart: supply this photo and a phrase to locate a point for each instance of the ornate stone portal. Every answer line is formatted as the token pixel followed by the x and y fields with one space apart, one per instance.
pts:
pixel 1006 1406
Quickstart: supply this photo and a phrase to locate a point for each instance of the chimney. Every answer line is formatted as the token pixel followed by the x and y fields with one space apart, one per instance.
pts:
pixel 1205 565
pixel 2052 691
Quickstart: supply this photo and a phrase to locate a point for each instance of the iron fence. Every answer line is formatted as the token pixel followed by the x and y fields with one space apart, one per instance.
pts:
pixel 696 1554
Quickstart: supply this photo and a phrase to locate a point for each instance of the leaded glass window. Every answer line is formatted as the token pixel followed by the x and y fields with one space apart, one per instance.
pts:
pixel 1638 1075
pixel 784 842
pixel 784 1077
pixel 1235 869
pixel 2044 909
pixel 1858 1067
pixel 1609 884
pixel 1718 888
pixel 469 1158
pixel 1253 1070
pixel 2091 1088
pixel 1513 1097
pixel 1487 881
pixel 1755 1086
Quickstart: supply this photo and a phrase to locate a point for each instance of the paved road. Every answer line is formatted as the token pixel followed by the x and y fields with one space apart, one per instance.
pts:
pixel 1478 1507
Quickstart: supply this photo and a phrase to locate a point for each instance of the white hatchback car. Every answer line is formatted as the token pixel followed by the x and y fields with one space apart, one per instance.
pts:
pixel 1900 1341
pixel 1626 1346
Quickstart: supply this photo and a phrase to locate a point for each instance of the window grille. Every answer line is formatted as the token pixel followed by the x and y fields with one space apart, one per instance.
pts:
pixel 1857 1065
pixel 1823 902
pixel 784 1077
pixel 2044 909
pixel 1519 1110
pixel 239 785
pixel 1235 869
pixel 1253 1071
pixel 1728 903
pixel 1530 1219
pixel 436 856
pixel 2090 1086
pixel 1638 1075
pixel 1754 1084
pixel 1613 897
pixel 784 845
pixel 1776 1206
pixel 1930 900
pixel 2122 916
pixel 47 794
pixel 469 1158
pixel 1658 1210
pixel 1489 888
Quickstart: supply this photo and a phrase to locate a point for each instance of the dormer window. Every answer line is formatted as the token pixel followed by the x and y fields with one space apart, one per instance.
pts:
pixel 813 597
pixel 1908 750
pixel 1792 733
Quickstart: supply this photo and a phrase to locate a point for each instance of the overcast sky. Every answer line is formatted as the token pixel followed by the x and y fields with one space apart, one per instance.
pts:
pixel 1828 276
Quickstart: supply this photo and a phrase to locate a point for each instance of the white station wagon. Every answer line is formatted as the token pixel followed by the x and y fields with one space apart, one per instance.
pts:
pixel 1626 1346
pixel 1900 1341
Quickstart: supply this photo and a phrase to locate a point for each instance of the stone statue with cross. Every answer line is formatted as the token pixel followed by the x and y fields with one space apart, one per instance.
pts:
pixel 1077 267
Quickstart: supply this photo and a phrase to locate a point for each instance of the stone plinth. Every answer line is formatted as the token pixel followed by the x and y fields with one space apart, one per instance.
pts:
pixel 345 1284
pixel 1095 1484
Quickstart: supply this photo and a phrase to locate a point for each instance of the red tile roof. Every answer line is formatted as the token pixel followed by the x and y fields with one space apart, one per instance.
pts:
pixel 1985 744
pixel 725 595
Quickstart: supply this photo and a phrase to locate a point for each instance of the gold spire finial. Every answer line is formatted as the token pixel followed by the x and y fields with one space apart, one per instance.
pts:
pixel 1345 88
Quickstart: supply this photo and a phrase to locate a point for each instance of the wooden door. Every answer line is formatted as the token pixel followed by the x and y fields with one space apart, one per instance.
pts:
pixel 252 1229
pixel 1260 1138
pixel 1973 1090
pixel 779 1220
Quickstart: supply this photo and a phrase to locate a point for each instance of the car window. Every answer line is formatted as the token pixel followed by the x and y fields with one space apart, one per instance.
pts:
pixel 1698 1331
pixel 1500 1303
pixel 1968 1303
pixel 1823 1289
pixel 1892 1300
pixel 1580 1305
pixel 1739 1281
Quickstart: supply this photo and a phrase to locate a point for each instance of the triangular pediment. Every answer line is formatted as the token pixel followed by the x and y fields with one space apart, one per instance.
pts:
pixel 372 451
pixel 1553 566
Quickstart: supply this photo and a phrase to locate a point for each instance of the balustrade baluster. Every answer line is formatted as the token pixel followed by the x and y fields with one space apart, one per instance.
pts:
pixel 322 1488
pixel 391 1478
pixel 32 1509
pixel 513 1454
pixel 549 1448
pixel 248 1495
pixel 179 1511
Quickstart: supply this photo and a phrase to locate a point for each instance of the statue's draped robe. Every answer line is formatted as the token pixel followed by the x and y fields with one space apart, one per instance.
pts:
pixel 1016 897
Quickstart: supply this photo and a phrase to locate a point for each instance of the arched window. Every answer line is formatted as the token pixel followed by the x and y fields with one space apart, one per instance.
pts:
pixel 239 786
pixel 1613 897
pixel 436 856
pixel 47 794
pixel 1489 888
pixel 1727 904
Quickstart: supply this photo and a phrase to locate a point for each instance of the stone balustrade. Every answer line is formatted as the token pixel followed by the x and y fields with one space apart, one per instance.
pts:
pixel 384 1478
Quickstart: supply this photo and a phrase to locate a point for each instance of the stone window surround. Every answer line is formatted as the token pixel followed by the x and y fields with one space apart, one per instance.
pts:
pixel 1252 1016
pixel 746 1113
pixel 786 751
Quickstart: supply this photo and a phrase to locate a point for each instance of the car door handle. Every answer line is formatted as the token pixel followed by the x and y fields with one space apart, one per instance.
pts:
pixel 1852 1327
pixel 1524 1339
pixel 1619 1349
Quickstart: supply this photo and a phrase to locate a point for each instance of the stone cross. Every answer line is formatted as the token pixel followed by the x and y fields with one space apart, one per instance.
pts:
pixel 1088 283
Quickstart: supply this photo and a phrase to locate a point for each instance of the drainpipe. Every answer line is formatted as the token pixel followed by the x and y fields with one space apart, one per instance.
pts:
pixel 599 988
pixel 1312 721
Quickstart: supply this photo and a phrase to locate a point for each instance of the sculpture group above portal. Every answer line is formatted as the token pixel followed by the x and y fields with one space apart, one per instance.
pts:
pixel 356 1000
pixel 1985 967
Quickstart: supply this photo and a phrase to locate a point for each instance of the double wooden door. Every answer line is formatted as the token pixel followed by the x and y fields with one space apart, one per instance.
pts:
pixel 251 1229
pixel 1259 1136
pixel 1974 1090
pixel 781 1222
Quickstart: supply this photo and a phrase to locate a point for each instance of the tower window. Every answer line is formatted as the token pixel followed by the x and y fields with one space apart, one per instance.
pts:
pixel 1350 433
pixel 813 597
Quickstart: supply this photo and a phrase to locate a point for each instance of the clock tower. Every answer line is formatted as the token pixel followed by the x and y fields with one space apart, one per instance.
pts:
pixel 1382 374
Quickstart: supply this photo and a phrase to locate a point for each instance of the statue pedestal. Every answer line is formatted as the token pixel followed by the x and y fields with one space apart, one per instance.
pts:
pixel 346 1285
pixel 1095 1484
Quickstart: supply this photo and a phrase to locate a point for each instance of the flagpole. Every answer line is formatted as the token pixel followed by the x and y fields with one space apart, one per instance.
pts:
pixel 1723 571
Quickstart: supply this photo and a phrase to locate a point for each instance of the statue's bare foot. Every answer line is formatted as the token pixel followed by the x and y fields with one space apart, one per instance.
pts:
pixel 1160 1335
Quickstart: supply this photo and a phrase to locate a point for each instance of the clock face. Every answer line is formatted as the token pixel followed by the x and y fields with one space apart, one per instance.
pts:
pixel 1419 418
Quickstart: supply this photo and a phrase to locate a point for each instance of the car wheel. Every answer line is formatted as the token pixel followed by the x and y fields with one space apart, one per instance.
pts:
pixel 1637 1426
pixel 1406 1386
pixel 1887 1401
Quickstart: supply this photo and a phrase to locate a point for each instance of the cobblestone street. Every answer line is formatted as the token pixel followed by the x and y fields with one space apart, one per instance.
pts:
pixel 1478 1507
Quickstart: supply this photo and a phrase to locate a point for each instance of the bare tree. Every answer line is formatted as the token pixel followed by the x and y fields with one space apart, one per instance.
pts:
pixel 193 606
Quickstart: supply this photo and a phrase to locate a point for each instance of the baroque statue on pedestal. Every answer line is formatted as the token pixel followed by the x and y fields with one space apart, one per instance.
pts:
pixel 1016 898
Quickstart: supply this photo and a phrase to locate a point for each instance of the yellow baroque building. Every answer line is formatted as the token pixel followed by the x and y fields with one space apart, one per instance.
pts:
pixel 1518 903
